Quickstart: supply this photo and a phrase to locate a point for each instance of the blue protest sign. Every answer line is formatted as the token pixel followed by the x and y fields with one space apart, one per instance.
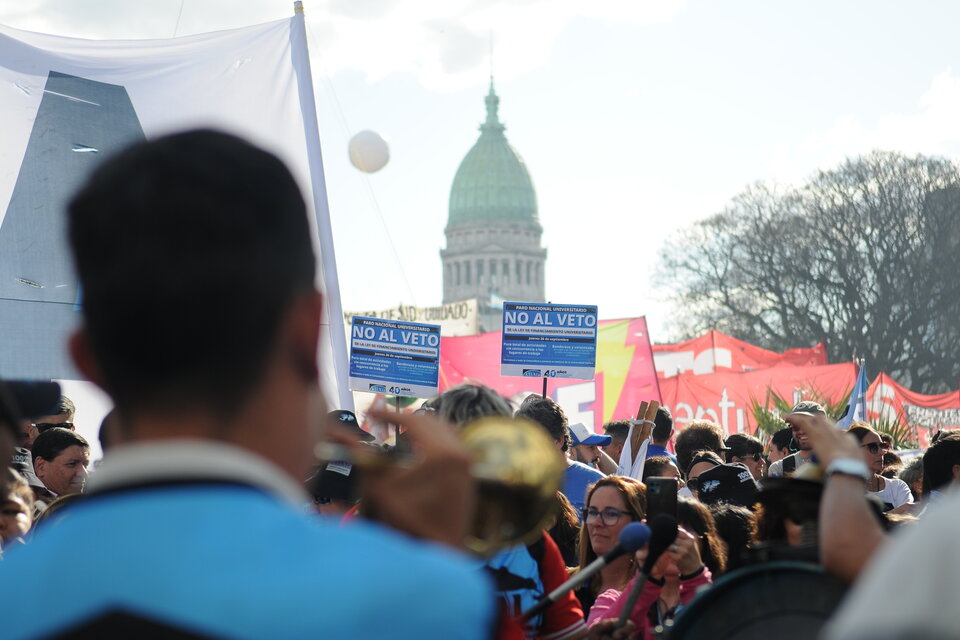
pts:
pixel 396 358
pixel 549 340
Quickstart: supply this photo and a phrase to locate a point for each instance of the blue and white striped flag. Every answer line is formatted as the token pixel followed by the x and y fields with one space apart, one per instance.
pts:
pixel 857 405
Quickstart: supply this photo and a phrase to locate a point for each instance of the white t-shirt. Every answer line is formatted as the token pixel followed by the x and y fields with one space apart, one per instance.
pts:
pixel 776 469
pixel 894 491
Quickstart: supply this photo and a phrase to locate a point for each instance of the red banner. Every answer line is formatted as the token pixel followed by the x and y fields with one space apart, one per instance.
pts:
pixel 716 352
pixel 725 398
pixel 740 373
pixel 625 375
pixel 888 400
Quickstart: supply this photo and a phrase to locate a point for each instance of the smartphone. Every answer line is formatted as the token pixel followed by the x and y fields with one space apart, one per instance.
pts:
pixel 661 497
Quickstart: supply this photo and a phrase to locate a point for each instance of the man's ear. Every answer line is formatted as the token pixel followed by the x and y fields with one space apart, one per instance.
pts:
pixel 956 471
pixel 305 319
pixel 83 358
pixel 39 467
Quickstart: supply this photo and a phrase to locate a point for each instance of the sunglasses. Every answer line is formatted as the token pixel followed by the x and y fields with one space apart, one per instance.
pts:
pixel 755 456
pixel 43 426
pixel 876 447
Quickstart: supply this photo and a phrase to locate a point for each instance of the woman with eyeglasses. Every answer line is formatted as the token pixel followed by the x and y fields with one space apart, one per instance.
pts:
pixel 893 491
pixel 612 503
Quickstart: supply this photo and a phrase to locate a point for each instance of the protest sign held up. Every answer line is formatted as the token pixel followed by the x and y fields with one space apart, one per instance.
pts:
pixel 549 340
pixel 398 358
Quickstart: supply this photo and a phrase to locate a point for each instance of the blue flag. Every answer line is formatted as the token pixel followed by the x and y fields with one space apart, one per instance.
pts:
pixel 857 405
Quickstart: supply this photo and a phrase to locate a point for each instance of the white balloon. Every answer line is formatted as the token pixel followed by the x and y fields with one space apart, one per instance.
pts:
pixel 369 151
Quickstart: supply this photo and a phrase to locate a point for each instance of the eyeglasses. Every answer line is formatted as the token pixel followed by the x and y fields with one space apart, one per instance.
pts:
pixel 756 456
pixel 608 516
pixel 876 447
pixel 43 426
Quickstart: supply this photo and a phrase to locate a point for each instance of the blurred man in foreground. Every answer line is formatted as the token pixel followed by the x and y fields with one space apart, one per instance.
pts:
pixel 202 322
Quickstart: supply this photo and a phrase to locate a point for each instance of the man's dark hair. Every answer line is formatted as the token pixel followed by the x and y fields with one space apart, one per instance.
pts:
pixel 618 430
pixel 189 250
pixel 782 438
pixel 663 426
pixel 65 406
pixel 938 462
pixel 550 415
pixel 699 434
pixel 742 445
pixel 52 442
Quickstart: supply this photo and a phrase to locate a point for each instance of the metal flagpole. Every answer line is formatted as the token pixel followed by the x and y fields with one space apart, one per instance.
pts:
pixel 332 305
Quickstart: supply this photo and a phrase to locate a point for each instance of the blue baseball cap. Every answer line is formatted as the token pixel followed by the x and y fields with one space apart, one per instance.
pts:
pixel 580 434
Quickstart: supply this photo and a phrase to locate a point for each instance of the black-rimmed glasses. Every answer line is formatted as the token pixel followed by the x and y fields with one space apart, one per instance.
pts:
pixel 608 516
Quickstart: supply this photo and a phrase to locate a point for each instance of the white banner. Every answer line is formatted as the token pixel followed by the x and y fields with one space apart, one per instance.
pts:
pixel 454 318
pixel 66 103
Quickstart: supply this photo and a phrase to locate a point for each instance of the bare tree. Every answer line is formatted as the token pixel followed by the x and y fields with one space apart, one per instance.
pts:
pixel 865 257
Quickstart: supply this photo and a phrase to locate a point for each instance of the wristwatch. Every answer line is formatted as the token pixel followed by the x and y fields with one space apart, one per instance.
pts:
pixel 849 467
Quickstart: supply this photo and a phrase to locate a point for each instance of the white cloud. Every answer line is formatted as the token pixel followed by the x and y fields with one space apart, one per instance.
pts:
pixel 444 43
pixel 933 128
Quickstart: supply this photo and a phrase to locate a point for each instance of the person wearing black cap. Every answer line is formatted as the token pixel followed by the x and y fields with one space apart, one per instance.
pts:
pixel 333 484
pixel 732 483
pixel 347 420
pixel 789 465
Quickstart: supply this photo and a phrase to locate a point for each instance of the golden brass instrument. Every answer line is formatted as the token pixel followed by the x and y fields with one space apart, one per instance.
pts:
pixel 518 470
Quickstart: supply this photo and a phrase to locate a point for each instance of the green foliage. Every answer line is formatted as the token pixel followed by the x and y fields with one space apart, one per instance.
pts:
pixel 904 436
pixel 768 417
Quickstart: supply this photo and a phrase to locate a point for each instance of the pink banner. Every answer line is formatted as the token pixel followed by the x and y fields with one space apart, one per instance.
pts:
pixel 625 375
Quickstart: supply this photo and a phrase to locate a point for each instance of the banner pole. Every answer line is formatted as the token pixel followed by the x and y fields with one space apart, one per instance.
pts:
pixel 544 392
pixel 333 308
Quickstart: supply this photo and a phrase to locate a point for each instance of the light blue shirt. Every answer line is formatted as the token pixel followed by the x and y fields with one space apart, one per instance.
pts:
pixel 233 557
pixel 576 479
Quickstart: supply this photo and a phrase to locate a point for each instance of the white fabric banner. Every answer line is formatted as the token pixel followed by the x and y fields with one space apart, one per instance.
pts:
pixel 627 466
pixel 66 103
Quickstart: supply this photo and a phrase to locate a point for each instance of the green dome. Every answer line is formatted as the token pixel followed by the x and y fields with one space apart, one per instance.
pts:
pixel 492 185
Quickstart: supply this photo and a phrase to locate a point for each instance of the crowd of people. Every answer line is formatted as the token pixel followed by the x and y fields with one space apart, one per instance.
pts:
pixel 210 515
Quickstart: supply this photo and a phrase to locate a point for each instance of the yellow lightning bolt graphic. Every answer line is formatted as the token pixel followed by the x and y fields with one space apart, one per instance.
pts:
pixel 614 356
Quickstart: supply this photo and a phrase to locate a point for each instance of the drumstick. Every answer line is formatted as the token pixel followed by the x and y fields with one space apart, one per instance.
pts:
pixel 645 416
pixel 637 436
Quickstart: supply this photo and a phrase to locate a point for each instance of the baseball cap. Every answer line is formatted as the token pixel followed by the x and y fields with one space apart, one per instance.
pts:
pixel 731 483
pixel 808 407
pixel 580 434
pixel 348 420
pixel 333 481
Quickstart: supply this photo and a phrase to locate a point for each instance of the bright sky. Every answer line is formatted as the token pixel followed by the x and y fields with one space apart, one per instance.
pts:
pixel 634 117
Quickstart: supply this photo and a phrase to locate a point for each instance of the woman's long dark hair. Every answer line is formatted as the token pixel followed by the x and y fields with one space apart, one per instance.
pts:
pixel 695 517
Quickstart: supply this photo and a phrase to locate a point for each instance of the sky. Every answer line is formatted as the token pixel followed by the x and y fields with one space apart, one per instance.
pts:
pixel 634 117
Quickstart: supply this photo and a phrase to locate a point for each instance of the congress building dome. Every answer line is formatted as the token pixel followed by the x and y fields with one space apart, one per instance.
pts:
pixel 493 228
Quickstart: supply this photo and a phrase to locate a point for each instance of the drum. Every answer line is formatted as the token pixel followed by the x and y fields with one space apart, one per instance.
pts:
pixel 783 600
